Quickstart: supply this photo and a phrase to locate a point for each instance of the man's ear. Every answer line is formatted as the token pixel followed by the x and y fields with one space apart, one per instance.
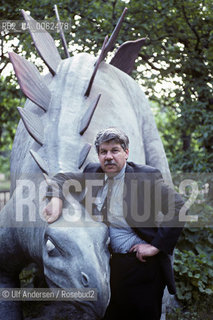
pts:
pixel 127 153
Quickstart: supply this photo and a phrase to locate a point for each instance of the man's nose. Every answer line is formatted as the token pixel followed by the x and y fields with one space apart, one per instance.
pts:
pixel 109 155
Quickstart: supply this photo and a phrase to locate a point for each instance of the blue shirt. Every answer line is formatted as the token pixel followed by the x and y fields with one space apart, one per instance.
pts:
pixel 122 236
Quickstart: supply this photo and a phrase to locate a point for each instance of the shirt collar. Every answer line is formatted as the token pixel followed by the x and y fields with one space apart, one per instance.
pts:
pixel 119 175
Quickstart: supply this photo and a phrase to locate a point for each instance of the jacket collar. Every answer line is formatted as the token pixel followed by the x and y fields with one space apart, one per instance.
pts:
pixel 129 169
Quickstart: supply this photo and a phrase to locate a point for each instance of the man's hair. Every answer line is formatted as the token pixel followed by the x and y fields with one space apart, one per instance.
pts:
pixel 114 134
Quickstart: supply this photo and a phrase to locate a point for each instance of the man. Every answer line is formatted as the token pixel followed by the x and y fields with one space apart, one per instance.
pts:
pixel 130 201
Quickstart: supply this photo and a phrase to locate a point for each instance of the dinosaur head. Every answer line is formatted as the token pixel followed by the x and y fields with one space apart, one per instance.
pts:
pixel 76 256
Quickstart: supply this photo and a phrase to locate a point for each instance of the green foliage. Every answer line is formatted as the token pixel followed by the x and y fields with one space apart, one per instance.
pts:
pixel 10 99
pixel 193 263
pixel 176 72
pixel 193 312
pixel 195 274
pixel 4 185
pixel 193 266
pixel 5 165
pixel 194 159
pixel 28 275
pixel 176 62
pixel 180 34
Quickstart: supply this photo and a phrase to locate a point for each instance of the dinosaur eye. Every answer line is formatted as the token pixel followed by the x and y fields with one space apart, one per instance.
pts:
pixel 49 246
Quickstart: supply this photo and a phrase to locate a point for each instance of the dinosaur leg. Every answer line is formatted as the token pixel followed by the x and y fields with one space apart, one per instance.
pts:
pixel 9 310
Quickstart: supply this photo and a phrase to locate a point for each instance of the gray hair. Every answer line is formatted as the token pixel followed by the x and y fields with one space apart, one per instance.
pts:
pixel 114 134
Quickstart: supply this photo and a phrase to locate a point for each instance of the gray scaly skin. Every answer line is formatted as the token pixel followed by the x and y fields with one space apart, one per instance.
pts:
pixel 60 124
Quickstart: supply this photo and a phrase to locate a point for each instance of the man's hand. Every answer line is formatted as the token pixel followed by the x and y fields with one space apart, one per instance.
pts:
pixel 53 210
pixel 144 250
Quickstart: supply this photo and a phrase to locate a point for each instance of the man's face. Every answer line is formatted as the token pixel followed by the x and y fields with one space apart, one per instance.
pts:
pixel 112 157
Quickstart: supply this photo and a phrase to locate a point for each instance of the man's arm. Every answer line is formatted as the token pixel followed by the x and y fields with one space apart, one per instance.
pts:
pixel 144 250
pixel 54 208
pixel 163 237
pixel 171 227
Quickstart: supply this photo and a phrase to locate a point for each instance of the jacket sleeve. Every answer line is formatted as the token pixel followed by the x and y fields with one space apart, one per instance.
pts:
pixel 170 227
pixel 62 183
pixel 58 185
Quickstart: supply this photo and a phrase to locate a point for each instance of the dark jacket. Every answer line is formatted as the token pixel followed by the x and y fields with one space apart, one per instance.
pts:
pixel 145 195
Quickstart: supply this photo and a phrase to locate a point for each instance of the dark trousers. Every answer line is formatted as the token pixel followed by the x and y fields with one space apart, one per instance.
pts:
pixel 136 288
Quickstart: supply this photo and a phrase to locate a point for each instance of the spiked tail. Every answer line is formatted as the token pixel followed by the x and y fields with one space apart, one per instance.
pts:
pixel 40 162
pixel 30 81
pixel 88 116
pixel 47 178
pixel 44 44
pixel 114 35
pixel 61 32
pixel 33 125
pixel 96 68
pixel 83 154
pixel 126 55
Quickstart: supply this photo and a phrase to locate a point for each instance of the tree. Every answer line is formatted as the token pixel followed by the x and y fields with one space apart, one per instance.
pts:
pixel 175 68
pixel 10 98
pixel 180 52
pixel 177 58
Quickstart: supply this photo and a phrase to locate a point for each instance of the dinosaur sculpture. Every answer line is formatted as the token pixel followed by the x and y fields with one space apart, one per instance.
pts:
pixel 58 126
